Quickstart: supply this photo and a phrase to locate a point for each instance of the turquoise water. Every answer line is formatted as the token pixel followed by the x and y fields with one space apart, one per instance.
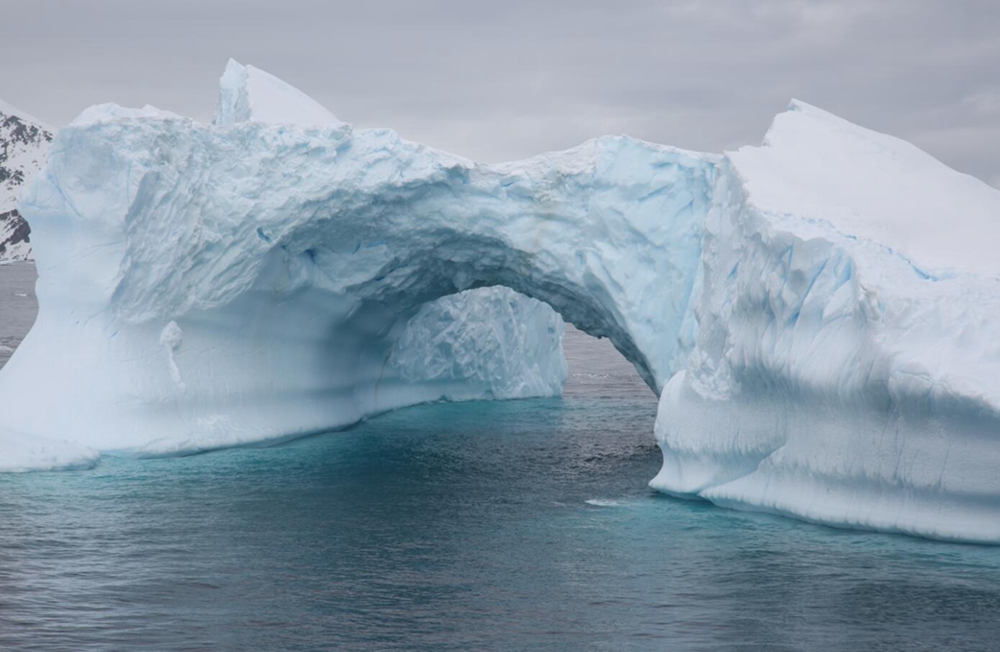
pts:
pixel 518 525
pixel 509 526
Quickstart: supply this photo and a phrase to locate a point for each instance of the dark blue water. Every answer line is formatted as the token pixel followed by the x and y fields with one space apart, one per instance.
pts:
pixel 509 526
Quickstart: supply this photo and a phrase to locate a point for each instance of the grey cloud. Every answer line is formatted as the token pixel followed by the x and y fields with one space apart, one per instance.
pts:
pixel 495 81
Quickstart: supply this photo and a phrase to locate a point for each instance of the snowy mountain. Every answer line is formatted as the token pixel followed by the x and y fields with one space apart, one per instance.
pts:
pixel 24 142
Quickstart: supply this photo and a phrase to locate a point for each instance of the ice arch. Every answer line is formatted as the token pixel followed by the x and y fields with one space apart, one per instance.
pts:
pixel 248 280
pixel 819 314
pixel 386 224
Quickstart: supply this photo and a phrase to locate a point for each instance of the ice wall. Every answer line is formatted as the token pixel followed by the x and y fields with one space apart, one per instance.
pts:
pixel 847 366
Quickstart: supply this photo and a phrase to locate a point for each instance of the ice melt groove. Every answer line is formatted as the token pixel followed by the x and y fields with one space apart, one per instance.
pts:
pixel 818 314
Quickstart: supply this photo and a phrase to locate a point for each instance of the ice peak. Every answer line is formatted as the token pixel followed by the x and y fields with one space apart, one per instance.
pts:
pixel 249 94
pixel 798 107
pixel 872 186
pixel 804 107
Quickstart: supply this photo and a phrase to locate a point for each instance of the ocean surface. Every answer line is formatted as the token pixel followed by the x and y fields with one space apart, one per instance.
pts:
pixel 521 525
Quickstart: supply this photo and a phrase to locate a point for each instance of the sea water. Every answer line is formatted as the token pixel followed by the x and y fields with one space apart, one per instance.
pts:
pixel 490 525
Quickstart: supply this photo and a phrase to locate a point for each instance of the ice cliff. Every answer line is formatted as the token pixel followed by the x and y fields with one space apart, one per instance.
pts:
pixel 847 363
pixel 818 314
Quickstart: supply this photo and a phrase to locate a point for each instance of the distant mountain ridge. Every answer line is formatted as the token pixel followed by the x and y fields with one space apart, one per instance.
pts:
pixel 24 144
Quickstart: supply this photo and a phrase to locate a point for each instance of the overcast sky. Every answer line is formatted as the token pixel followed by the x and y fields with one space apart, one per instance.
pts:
pixel 506 79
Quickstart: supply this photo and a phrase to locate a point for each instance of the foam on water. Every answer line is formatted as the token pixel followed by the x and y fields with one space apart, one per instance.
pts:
pixel 603 502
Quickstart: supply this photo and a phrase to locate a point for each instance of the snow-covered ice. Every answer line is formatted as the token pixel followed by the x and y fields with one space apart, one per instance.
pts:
pixel 818 314
pixel 847 364
pixel 248 94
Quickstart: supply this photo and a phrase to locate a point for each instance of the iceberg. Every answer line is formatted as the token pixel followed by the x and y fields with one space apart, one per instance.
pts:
pixel 847 363
pixel 817 314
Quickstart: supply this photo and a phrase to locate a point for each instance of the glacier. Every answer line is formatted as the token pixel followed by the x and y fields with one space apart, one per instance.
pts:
pixel 817 314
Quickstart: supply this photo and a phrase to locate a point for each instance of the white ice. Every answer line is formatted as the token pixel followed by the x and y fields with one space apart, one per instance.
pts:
pixel 248 94
pixel 847 365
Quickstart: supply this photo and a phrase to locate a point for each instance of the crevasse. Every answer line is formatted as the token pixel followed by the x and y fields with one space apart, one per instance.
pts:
pixel 818 314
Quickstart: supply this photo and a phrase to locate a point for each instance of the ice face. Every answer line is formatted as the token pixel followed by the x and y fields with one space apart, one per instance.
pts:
pixel 816 356
pixel 491 340
pixel 248 94
pixel 845 369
